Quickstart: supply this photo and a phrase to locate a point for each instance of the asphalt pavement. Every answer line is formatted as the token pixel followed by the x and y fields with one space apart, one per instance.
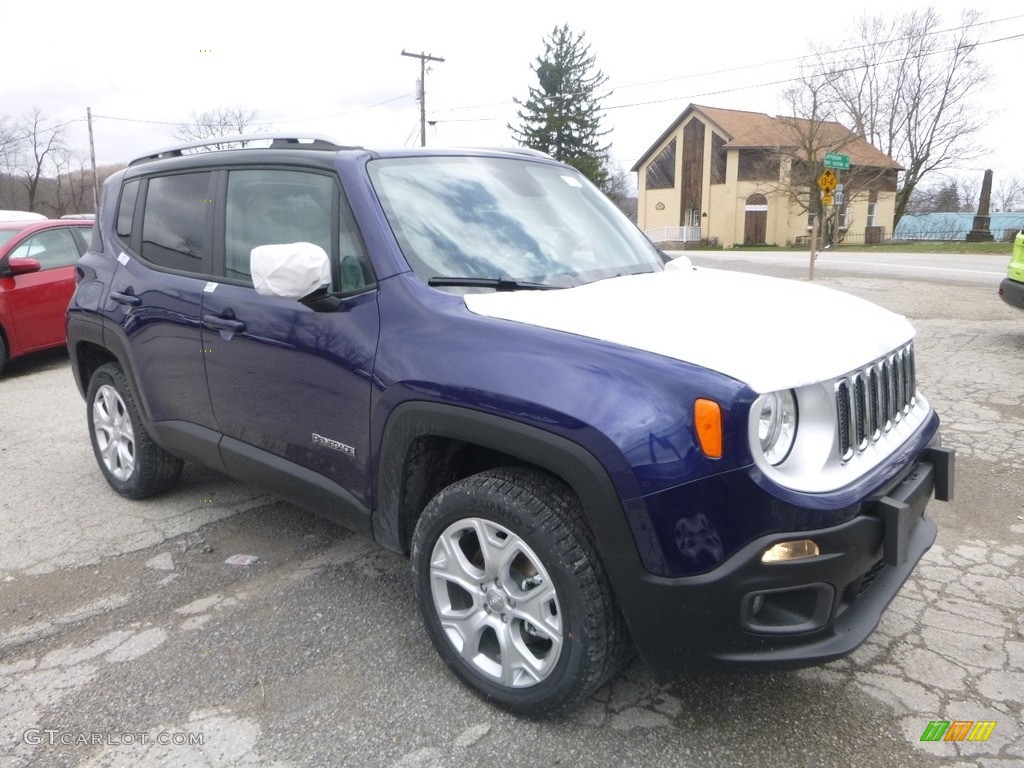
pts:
pixel 127 638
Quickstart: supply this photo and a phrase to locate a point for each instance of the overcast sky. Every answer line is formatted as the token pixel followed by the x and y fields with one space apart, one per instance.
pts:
pixel 337 68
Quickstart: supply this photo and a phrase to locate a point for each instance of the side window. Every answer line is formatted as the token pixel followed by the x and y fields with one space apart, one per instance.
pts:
pixel 126 209
pixel 356 272
pixel 267 207
pixel 52 248
pixel 175 223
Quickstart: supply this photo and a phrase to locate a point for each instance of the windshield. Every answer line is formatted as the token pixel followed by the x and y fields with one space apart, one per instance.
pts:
pixel 509 218
pixel 7 234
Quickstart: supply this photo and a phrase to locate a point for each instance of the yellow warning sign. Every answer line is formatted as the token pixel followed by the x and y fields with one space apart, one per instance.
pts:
pixel 827 180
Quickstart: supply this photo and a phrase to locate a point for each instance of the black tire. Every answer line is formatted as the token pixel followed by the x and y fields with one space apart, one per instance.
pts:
pixel 480 595
pixel 132 463
pixel 3 352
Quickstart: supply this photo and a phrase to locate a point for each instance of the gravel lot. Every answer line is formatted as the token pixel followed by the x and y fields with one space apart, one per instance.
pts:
pixel 125 638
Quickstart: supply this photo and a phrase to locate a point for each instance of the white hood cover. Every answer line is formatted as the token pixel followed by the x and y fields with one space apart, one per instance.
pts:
pixel 769 333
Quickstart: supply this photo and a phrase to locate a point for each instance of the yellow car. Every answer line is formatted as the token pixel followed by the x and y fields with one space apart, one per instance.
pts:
pixel 1012 287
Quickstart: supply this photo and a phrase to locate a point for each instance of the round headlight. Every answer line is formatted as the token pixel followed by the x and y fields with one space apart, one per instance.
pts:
pixel 776 426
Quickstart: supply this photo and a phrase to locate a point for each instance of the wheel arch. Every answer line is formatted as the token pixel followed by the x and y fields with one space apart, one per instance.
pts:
pixel 427 446
pixel 90 347
pixel 5 350
pixel 88 356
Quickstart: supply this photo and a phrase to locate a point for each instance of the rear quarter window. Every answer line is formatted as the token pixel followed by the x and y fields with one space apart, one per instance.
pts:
pixel 126 209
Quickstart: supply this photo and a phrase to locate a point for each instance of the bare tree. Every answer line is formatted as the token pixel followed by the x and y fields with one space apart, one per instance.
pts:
pixel 73 189
pixel 803 140
pixel 223 121
pixel 909 87
pixel 1008 194
pixel 10 141
pixel 970 193
pixel 43 145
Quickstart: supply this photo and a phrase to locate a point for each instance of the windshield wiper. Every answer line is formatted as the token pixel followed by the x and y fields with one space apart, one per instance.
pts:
pixel 497 283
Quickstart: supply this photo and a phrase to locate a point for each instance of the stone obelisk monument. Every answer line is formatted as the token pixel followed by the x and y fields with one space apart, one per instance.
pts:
pixel 980 232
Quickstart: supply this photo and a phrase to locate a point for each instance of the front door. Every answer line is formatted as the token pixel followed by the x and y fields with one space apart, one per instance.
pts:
pixel 37 300
pixel 755 220
pixel 286 380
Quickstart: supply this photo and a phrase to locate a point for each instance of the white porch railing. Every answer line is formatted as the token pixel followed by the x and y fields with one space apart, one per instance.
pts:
pixel 674 234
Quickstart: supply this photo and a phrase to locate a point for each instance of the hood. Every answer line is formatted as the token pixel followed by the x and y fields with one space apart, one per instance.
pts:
pixel 767 332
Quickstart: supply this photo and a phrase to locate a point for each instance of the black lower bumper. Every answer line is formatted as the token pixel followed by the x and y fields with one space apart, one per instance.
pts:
pixel 1012 292
pixel 798 612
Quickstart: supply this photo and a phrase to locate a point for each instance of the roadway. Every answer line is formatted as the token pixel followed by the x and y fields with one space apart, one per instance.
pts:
pixel 968 268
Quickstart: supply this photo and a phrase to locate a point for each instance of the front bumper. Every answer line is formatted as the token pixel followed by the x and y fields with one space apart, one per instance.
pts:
pixel 1012 292
pixel 799 612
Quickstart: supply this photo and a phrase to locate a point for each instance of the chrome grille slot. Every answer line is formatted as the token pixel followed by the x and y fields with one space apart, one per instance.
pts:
pixel 871 401
pixel 901 377
pixel 890 397
pixel 912 376
pixel 843 416
pixel 875 398
pixel 860 412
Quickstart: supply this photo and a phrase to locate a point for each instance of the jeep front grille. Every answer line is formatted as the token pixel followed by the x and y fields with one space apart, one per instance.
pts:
pixel 870 401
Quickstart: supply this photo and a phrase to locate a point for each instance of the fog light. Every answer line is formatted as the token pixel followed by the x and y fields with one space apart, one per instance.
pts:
pixel 785 551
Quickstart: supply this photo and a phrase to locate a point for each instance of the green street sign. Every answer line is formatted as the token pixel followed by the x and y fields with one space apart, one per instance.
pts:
pixel 839 162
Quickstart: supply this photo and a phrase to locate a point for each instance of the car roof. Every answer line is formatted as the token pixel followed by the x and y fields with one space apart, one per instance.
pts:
pixel 239 149
pixel 21 216
pixel 46 224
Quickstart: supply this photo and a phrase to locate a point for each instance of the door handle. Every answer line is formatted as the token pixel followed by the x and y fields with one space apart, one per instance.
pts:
pixel 223 324
pixel 128 299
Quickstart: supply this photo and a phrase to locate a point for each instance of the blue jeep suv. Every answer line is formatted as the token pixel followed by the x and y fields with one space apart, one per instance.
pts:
pixel 471 356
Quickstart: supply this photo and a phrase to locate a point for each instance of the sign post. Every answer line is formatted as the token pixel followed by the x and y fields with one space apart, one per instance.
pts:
pixel 831 189
pixel 814 246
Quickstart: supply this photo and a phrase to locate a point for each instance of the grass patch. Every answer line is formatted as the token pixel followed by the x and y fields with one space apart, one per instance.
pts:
pixel 933 246
pixel 918 246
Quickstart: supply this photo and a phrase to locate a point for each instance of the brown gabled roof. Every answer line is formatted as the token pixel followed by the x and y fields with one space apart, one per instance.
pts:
pixel 743 130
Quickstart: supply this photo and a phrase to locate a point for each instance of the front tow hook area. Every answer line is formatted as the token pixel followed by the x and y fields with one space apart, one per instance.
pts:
pixel 944 461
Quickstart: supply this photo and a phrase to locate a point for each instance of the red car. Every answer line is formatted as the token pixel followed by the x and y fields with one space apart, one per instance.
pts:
pixel 37 278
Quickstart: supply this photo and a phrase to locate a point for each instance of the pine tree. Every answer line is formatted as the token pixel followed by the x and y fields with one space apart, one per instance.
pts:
pixel 561 116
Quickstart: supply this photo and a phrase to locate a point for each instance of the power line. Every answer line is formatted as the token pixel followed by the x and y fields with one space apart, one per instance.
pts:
pixel 273 122
pixel 794 79
pixel 762 65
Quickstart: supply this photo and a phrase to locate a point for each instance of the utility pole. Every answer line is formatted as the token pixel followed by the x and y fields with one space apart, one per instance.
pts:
pixel 92 156
pixel 424 58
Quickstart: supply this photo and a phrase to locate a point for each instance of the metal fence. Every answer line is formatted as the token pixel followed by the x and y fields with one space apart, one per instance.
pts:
pixel 1003 225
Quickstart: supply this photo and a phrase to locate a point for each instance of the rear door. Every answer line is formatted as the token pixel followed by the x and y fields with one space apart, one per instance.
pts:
pixel 165 226
pixel 289 383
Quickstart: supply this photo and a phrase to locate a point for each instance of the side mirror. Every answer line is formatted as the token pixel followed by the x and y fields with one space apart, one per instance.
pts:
pixel 289 270
pixel 679 264
pixel 21 266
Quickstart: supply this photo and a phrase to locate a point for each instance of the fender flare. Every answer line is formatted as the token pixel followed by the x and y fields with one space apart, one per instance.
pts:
pixel 573 463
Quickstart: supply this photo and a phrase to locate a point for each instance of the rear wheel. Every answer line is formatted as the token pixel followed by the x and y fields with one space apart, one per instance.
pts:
pixel 132 463
pixel 512 593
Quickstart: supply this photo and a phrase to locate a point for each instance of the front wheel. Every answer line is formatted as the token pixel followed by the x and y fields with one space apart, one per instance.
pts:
pixel 132 463
pixel 512 593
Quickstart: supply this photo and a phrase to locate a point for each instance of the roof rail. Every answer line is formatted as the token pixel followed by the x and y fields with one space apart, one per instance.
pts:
pixel 277 141
pixel 524 151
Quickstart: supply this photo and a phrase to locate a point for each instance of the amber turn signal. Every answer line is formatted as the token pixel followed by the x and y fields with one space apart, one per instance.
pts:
pixel 707 417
